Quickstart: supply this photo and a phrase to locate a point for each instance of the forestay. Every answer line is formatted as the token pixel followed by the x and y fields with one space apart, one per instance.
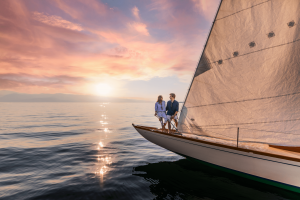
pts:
pixel 248 75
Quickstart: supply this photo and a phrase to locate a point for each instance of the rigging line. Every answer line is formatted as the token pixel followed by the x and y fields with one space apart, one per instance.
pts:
pixel 252 123
pixel 210 131
pixel 234 140
pixel 196 127
pixel 222 135
pixel 270 131
pixel 209 136
pixel 253 130
pixel 250 141
pixel 259 50
pixel 244 128
pixel 246 141
pixel 243 10
pixel 262 98
pixel 205 130
pixel 222 128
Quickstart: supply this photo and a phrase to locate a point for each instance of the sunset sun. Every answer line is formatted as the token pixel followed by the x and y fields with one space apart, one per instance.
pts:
pixel 103 89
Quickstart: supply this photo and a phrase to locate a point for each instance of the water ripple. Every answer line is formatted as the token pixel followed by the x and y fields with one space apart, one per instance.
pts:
pixel 85 151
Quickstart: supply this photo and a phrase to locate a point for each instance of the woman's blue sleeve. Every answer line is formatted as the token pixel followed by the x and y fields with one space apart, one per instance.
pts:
pixel 155 106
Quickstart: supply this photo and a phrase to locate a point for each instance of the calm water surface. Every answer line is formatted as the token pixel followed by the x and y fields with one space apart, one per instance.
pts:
pixel 91 151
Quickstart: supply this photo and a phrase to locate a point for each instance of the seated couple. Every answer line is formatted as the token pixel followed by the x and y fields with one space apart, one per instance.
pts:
pixel 171 108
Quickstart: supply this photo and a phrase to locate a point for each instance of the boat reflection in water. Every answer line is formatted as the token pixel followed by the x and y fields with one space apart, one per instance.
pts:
pixel 187 179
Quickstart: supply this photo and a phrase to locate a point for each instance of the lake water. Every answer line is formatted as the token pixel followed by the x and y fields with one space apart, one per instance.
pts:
pixel 91 151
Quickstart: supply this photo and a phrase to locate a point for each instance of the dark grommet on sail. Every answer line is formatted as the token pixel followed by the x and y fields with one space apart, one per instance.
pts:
pixel 252 44
pixel 235 54
pixel 220 62
pixel 271 34
pixel 291 24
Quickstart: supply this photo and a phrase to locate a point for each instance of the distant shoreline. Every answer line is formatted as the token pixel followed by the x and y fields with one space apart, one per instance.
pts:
pixel 22 97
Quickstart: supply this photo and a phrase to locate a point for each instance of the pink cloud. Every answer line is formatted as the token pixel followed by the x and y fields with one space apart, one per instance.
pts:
pixel 139 27
pixel 56 21
pixel 38 84
pixel 85 38
pixel 135 12
pixel 207 8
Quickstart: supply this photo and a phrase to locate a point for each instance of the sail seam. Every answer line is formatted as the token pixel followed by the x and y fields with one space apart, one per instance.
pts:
pixel 283 95
pixel 259 50
pixel 243 10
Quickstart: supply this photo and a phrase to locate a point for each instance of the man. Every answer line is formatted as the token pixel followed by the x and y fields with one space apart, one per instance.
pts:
pixel 172 110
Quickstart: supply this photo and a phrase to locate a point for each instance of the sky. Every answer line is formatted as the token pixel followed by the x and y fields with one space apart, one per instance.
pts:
pixel 120 48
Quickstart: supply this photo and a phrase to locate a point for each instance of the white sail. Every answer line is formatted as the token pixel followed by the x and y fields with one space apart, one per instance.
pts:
pixel 248 75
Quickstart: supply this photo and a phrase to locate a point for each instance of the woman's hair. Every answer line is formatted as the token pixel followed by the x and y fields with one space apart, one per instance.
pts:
pixel 159 99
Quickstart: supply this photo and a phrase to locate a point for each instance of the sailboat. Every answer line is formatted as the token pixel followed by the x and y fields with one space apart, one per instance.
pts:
pixel 245 93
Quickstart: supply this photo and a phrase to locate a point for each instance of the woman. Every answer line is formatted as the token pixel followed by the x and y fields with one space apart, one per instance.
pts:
pixel 160 111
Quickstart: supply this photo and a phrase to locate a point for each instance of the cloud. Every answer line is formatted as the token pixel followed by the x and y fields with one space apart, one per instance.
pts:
pixel 165 5
pixel 56 21
pixel 29 79
pixel 207 8
pixel 62 44
pixel 135 12
pixel 139 27
pixel 40 84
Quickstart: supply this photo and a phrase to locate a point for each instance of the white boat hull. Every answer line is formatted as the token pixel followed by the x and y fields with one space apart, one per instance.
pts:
pixel 274 170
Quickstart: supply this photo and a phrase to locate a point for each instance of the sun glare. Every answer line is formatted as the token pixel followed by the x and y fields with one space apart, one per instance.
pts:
pixel 103 89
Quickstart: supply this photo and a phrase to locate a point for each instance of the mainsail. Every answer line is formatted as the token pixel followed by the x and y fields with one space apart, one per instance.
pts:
pixel 248 76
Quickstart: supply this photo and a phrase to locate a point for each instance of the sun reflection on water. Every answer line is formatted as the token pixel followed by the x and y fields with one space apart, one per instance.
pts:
pixel 100 144
pixel 103 163
pixel 105 160
pixel 103 169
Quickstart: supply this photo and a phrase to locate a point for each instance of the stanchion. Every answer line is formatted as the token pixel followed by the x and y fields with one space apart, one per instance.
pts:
pixel 237 138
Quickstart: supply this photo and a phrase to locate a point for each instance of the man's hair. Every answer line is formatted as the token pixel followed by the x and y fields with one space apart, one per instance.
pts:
pixel 173 95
